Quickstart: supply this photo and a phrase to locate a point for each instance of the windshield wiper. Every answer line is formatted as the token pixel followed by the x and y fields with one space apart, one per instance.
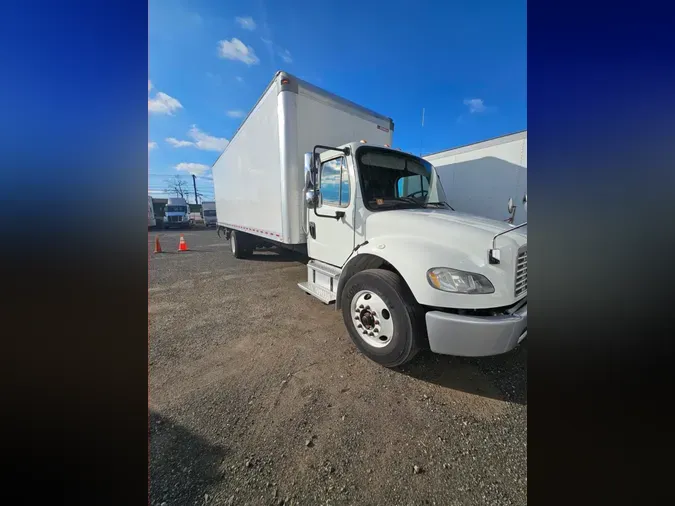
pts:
pixel 396 200
pixel 439 204
pixel 412 200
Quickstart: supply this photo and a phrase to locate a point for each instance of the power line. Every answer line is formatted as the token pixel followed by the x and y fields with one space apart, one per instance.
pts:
pixel 178 175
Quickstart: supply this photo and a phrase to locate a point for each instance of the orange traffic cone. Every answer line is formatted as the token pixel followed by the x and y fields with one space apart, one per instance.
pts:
pixel 158 247
pixel 182 245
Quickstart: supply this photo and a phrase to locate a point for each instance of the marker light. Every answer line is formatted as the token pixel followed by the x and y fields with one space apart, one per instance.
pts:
pixel 363 141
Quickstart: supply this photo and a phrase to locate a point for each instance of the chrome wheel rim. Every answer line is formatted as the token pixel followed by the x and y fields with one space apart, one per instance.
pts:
pixel 372 319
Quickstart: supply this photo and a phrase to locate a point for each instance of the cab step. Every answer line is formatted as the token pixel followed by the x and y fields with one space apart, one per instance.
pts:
pixel 324 295
pixel 323 268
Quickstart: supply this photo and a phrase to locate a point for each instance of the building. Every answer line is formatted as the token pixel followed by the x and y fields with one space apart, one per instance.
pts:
pixel 480 178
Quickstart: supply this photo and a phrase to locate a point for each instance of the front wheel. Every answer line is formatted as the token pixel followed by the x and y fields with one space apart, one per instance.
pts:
pixel 382 317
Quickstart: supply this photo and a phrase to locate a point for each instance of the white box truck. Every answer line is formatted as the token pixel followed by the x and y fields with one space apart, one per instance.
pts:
pixel 310 171
pixel 209 214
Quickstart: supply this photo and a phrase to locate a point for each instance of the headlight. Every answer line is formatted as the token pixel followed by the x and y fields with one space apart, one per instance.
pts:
pixel 166 218
pixel 452 280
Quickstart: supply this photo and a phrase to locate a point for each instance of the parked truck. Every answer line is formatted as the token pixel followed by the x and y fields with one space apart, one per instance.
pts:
pixel 209 214
pixel 315 173
pixel 177 213
pixel 151 213
pixel 482 178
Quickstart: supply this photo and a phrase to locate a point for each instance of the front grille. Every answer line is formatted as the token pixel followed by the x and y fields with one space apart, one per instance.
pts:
pixel 174 218
pixel 521 273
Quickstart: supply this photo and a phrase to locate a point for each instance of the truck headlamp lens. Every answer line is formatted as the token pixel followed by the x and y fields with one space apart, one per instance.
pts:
pixel 452 280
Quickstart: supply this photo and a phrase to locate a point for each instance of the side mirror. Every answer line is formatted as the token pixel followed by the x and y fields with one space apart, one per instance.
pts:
pixel 510 206
pixel 525 201
pixel 311 169
pixel 312 198
pixel 309 180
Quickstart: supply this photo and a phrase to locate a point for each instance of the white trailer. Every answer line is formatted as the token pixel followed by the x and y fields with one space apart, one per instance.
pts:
pixel 481 178
pixel 309 170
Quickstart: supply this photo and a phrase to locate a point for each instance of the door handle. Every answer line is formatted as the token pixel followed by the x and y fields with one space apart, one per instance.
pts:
pixel 312 229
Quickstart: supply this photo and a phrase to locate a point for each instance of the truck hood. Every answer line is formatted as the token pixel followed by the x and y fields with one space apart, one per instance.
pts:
pixel 441 225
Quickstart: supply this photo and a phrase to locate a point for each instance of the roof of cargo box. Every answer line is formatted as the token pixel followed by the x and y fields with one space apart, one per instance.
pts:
pixel 313 89
pixel 494 141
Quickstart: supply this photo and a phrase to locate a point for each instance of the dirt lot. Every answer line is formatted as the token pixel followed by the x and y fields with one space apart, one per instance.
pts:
pixel 258 396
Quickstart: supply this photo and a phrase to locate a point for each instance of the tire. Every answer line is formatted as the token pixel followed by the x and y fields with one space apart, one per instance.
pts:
pixel 387 291
pixel 238 245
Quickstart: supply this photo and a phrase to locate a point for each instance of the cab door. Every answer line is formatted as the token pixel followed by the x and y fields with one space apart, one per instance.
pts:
pixel 329 239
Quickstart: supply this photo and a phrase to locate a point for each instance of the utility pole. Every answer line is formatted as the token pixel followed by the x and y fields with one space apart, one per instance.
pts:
pixel 194 183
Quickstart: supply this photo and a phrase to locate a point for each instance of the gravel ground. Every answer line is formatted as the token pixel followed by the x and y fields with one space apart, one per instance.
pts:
pixel 258 396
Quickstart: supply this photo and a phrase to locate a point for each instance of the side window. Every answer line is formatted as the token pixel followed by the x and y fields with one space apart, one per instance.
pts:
pixel 412 185
pixel 334 182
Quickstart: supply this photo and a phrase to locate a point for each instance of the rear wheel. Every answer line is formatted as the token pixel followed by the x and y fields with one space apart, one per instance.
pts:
pixel 238 245
pixel 382 317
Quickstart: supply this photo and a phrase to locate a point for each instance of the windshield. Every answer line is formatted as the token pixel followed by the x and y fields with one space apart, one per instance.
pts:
pixel 176 209
pixel 209 212
pixel 393 180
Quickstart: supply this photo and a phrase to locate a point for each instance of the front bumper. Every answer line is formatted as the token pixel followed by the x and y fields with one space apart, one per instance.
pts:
pixel 475 336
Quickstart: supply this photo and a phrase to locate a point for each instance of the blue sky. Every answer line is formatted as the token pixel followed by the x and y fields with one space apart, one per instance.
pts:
pixel 464 62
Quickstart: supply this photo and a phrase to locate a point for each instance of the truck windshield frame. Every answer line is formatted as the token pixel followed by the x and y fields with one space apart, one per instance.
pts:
pixel 402 165
pixel 176 209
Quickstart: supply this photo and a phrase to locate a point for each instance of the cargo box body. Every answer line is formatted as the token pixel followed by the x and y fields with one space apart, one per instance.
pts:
pixel 259 177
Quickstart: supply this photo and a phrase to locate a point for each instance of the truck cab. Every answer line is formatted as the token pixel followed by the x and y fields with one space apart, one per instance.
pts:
pixel 177 213
pixel 209 214
pixel 406 270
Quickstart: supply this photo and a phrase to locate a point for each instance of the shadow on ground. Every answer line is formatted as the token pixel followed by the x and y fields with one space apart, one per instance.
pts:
pixel 502 377
pixel 276 254
pixel 183 466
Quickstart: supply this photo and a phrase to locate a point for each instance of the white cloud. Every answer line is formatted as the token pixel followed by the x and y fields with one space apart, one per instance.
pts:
pixel 193 168
pixel 151 145
pixel 246 23
pixel 163 104
pixel 236 50
pixel 235 114
pixel 200 140
pixel 286 56
pixel 149 85
pixel 475 105
pixel 179 144
pixel 266 41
